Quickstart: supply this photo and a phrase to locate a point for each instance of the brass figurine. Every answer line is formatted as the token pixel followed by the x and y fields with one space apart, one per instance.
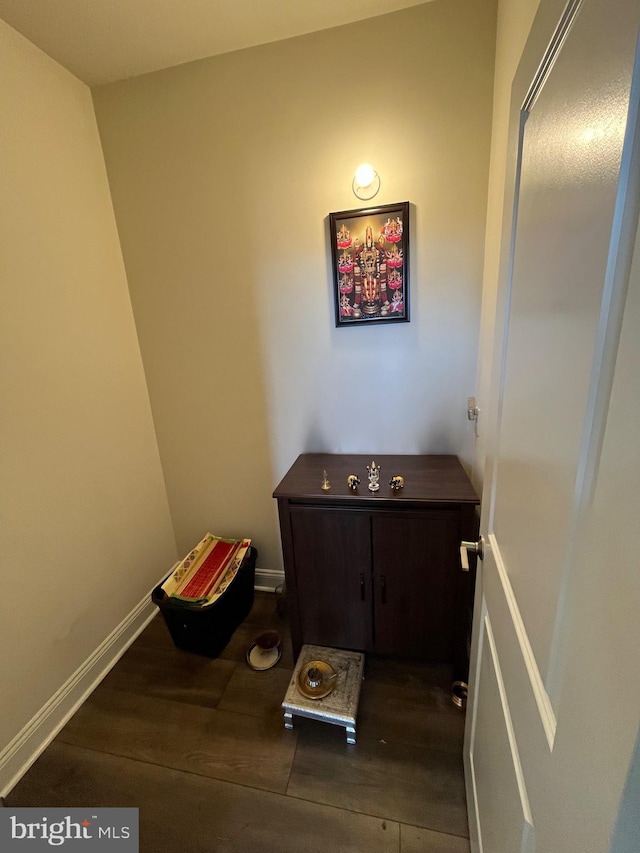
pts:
pixel 326 485
pixel 396 482
pixel 353 482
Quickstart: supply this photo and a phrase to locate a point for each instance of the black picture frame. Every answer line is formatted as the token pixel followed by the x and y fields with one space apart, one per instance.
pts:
pixel 370 257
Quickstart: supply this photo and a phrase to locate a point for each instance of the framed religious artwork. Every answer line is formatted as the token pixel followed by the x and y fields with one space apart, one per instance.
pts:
pixel 370 256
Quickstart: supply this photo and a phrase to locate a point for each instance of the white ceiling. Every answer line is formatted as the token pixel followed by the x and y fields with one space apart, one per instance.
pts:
pixel 101 41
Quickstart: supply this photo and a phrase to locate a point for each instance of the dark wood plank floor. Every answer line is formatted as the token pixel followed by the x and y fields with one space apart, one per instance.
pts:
pixel 199 747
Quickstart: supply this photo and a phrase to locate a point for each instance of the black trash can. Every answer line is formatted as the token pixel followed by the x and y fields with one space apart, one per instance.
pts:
pixel 206 629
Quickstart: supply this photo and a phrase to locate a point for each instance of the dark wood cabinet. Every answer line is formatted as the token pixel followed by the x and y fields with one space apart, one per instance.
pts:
pixel 415 580
pixel 333 568
pixel 378 571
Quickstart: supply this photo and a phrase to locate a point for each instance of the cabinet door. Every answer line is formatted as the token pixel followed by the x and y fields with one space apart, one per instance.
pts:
pixel 332 553
pixel 415 565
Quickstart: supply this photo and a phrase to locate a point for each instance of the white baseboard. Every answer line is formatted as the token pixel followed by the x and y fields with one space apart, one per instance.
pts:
pixel 18 756
pixel 268 579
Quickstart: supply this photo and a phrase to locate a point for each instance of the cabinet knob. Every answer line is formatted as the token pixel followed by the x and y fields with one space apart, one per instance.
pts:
pixel 467 548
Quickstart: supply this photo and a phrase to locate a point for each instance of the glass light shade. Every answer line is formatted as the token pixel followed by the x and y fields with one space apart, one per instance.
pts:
pixel 365 175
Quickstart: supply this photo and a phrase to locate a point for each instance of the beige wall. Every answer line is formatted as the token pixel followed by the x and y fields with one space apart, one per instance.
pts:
pixel 84 520
pixel 223 173
pixel 515 18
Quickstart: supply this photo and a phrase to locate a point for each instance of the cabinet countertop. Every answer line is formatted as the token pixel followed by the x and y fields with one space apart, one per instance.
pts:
pixel 427 479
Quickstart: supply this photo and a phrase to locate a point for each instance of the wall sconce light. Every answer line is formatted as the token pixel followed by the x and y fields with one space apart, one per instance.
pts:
pixel 366 182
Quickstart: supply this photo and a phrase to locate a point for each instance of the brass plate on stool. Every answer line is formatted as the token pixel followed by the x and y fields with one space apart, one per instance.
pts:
pixel 327 682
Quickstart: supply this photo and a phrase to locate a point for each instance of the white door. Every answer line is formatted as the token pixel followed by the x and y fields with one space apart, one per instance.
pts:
pixel 554 699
